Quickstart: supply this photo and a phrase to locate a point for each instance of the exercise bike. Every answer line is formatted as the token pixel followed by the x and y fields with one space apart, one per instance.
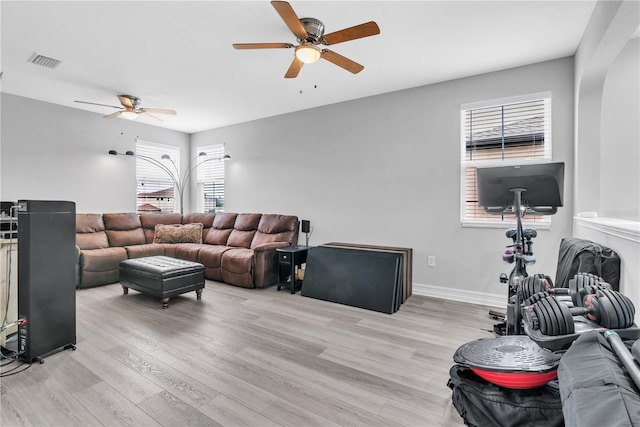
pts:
pixel 517 190
pixel 521 254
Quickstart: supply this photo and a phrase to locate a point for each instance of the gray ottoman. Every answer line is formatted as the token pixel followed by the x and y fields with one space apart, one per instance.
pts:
pixel 162 277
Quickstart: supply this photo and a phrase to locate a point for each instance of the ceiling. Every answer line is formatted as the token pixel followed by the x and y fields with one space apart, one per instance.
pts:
pixel 178 55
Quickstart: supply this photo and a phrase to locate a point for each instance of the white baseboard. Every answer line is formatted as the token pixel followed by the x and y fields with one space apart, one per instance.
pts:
pixel 462 295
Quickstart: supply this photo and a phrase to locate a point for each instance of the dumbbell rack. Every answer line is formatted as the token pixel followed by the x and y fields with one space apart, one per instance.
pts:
pixel 616 310
pixel 582 325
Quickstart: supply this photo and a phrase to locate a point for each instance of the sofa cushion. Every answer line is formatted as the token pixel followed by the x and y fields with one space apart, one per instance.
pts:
pixel 123 229
pixel 211 257
pixel 240 239
pixel 89 223
pixel 90 232
pixel 178 233
pixel 224 221
pixel 218 237
pixel 247 221
pixel 276 228
pixel 206 219
pixel 100 266
pixel 237 267
pixel 148 249
pixel 188 251
pixel 243 230
pixel 149 222
pixel 121 221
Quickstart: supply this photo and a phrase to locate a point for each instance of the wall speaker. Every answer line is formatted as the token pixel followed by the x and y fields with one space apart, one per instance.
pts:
pixel 306 226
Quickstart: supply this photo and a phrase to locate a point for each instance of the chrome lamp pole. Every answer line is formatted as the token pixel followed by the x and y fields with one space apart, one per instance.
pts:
pixel 174 173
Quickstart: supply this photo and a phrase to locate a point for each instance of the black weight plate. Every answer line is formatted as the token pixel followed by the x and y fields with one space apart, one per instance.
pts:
pixel 608 315
pixel 564 316
pixel 628 306
pixel 568 319
pixel 552 320
pixel 580 281
pixel 536 297
pixel 622 307
pixel 632 310
pixel 561 323
pixel 621 310
pixel 573 291
pixel 535 285
pixel 543 317
pixel 526 289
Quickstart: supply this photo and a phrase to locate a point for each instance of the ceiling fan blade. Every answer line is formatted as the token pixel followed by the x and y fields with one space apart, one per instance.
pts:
pixel 290 18
pixel 342 61
pixel 262 45
pixel 150 118
pixel 112 115
pixel 294 68
pixel 125 101
pixel 95 103
pixel 359 31
pixel 158 111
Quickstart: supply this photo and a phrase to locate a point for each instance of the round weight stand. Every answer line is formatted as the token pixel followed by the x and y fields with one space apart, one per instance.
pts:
pixel 512 361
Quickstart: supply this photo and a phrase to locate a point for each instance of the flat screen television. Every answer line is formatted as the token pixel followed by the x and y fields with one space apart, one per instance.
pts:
pixel 542 185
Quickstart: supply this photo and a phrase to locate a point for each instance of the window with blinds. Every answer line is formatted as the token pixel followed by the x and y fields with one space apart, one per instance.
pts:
pixel 155 191
pixel 210 179
pixel 509 133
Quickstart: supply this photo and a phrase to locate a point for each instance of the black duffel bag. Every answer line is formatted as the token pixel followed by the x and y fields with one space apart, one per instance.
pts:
pixel 481 403
pixel 584 256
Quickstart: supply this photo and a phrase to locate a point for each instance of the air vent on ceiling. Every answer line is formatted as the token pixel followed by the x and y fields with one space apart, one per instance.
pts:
pixel 44 61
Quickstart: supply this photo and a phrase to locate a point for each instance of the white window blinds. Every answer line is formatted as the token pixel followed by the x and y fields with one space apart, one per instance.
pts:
pixel 155 189
pixel 501 135
pixel 210 179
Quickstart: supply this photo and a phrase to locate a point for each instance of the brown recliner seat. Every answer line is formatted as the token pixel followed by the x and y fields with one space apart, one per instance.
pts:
pixel 98 263
pixel 215 244
pixel 252 262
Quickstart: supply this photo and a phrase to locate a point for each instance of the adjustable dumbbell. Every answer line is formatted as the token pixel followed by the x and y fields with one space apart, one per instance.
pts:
pixel 582 284
pixel 609 309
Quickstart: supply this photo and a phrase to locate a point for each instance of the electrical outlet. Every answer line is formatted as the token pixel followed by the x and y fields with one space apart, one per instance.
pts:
pixel 431 261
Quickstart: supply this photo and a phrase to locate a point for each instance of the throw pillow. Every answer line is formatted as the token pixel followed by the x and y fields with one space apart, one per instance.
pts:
pixel 178 233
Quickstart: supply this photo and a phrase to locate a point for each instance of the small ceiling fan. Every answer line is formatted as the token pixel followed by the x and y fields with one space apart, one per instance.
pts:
pixel 310 34
pixel 131 109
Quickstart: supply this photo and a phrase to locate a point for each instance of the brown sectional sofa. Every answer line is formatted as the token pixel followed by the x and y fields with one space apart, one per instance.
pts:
pixel 238 249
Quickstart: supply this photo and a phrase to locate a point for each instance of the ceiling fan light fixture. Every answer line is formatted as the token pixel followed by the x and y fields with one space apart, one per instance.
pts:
pixel 308 53
pixel 129 115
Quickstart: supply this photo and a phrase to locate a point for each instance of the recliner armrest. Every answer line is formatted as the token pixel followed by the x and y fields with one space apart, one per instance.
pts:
pixel 270 246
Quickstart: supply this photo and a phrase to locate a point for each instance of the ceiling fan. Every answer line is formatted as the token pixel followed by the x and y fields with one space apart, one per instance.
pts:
pixel 310 34
pixel 131 109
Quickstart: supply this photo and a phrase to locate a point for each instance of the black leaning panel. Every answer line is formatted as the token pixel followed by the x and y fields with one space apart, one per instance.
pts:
pixel 362 279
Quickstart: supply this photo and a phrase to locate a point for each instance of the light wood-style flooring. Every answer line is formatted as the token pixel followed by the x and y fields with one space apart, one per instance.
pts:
pixel 246 357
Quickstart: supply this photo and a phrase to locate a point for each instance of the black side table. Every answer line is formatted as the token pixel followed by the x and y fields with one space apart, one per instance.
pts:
pixel 289 258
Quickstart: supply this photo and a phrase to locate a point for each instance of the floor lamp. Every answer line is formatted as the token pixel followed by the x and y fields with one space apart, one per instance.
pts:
pixel 171 169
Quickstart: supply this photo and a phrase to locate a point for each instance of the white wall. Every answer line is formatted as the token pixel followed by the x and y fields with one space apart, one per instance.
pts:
pixel 386 170
pixel 381 170
pixel 52 152
pixel 607 140
pixel 620 175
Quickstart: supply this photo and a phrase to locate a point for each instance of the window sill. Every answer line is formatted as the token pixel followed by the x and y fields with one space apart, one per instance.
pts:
pixel 505 225
pixel 624 229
